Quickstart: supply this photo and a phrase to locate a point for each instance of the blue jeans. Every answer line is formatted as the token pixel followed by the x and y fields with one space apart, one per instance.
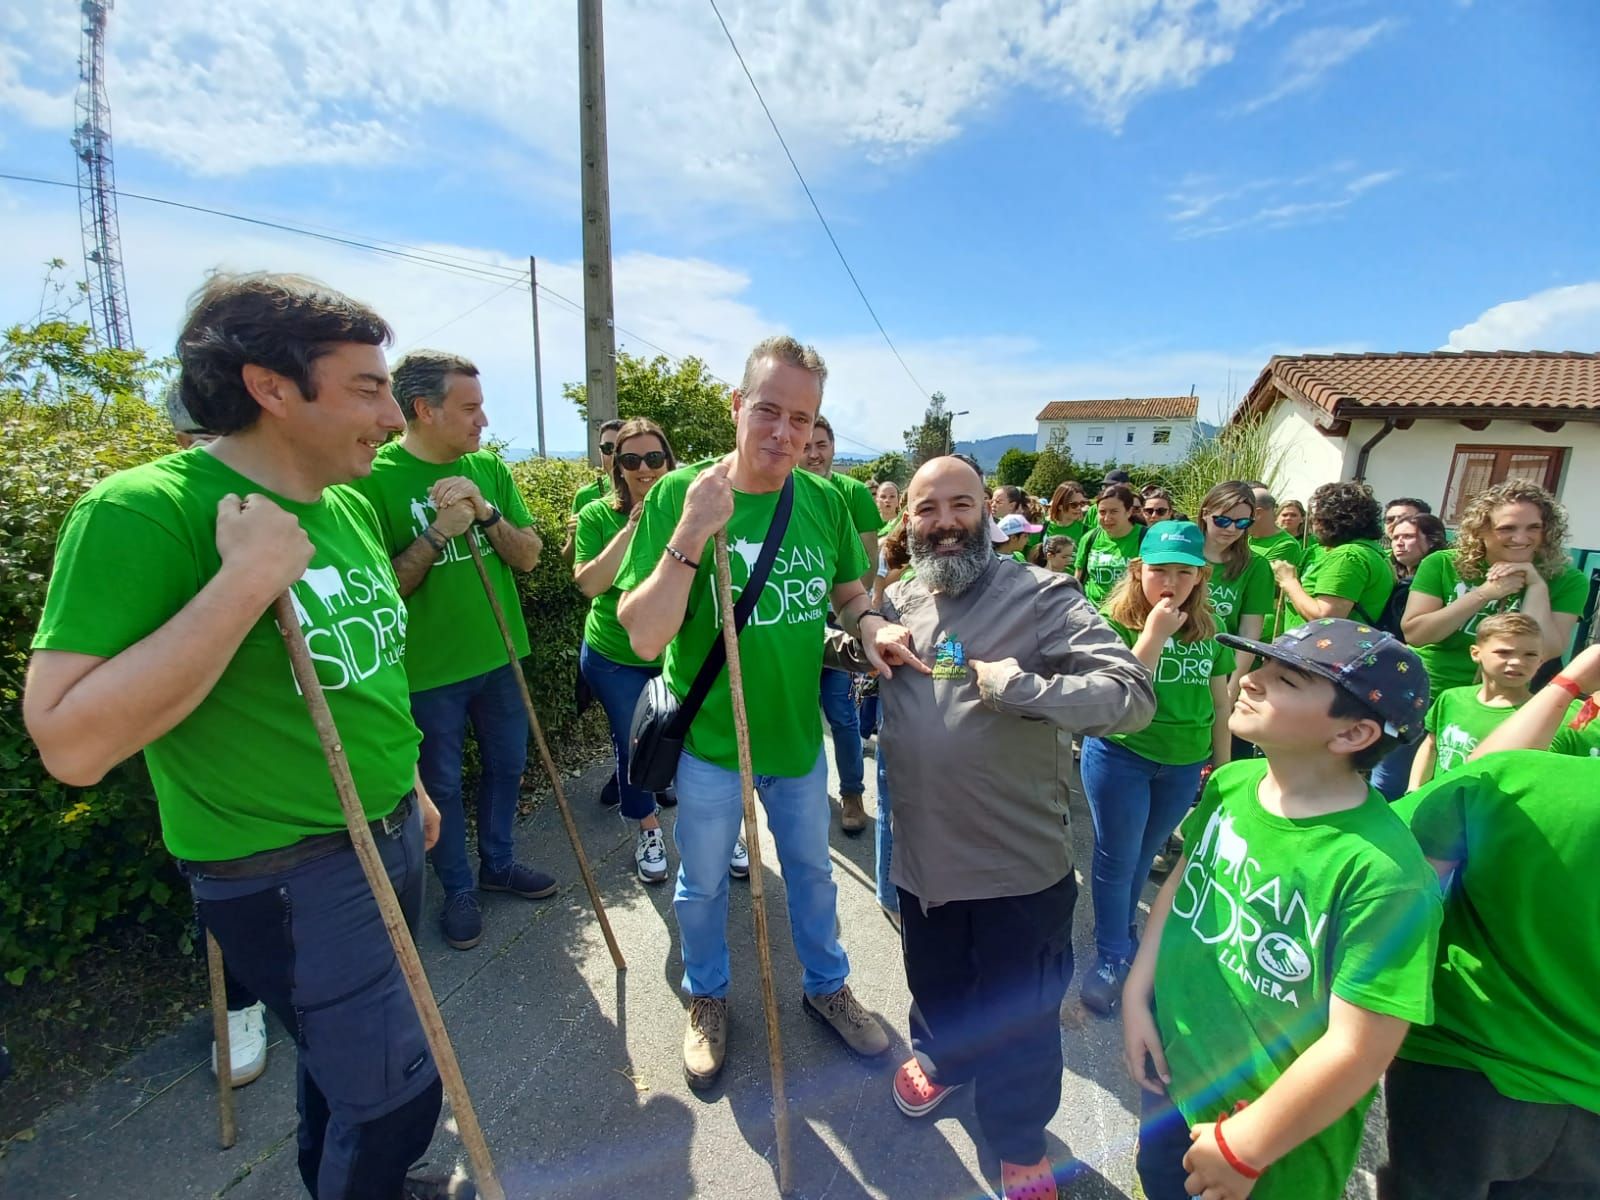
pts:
pixel 1135 804
pixel 867 714
pixel 840 709
pixel 1392 775
pixel 888 894
pixel 709 814
pixel 617 686
pixel 492 702
pixel 1163 1141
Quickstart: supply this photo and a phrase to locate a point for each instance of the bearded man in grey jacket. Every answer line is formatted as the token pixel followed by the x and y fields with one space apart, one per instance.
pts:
pixel 998 664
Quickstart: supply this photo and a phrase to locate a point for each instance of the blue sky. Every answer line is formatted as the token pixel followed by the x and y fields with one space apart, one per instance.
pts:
pixel 1062 201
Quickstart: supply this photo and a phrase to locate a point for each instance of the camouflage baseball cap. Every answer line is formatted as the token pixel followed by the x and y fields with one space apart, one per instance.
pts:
pixel 1375 667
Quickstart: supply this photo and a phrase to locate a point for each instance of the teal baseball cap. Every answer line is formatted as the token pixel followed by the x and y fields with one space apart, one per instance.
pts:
pixel 1173 542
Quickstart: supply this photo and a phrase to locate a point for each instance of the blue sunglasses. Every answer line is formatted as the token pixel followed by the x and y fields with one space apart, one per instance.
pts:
pixel 1239 523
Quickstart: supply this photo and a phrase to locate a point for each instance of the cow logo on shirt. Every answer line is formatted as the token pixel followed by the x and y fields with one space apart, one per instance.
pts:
pixel 1260 925
pixel 353 620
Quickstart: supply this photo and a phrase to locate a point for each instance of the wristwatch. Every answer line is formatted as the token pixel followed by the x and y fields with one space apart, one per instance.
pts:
pixel 492 519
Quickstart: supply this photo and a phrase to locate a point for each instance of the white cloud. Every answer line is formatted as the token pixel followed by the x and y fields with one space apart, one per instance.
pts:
pixel 226 89
pixel 687 306
pixel 1563 318
pixel 1202 206
pixel 1313 55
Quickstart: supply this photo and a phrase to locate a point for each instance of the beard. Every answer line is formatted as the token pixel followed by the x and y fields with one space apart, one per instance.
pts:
pixel 951 574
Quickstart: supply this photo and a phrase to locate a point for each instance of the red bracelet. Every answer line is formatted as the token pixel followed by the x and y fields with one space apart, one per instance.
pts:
pixel 1233 1160
pixel 1569 685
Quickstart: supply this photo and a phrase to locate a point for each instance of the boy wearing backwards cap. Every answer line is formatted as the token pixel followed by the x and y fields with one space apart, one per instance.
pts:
pixel 1292 947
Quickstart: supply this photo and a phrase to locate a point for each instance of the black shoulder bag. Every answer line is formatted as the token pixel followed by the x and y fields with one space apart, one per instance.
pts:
pixel 660 720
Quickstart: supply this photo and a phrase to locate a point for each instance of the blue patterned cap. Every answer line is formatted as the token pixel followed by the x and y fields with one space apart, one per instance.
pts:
pixel 1375 667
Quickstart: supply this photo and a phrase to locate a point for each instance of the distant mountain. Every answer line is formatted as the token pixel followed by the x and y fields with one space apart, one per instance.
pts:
pixel 988 450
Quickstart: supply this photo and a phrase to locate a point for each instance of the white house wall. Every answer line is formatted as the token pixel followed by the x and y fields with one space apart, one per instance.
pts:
pixel 1116 448
pixel 1416 461
pixel 1305 457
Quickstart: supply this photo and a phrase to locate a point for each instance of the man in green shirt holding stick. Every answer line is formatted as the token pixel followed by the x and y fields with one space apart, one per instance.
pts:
pixel 670 606
pixel 433 489
pixel 157 636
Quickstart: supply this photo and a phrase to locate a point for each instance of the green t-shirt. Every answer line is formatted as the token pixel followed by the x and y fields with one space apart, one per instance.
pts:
pixel 1102 560
pixel 243 772
pixel 599 488
pixel 1180 732
pixel 1074 530
pixel 452 635
pixel 598 523
pixel 1583 742
pixel 858 502
pixel 1357 571
pixel 1271 918
pixel 1281 545
pixel 888 527
pixel 1449 662
pixel 1249 593
pixel 1514 992
pixel 780 649
pixel 1458 721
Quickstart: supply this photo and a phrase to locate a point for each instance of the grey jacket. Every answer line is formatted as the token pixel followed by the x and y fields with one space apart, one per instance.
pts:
pixel 978 781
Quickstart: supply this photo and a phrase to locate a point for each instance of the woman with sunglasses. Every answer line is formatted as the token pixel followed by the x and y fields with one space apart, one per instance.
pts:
pixel 614 672
pixel 1241 582
pixel 1069 514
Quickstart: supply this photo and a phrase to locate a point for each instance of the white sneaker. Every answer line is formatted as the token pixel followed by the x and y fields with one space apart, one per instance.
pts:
pixel 650 855
pixel 247 1044
pixel 739 864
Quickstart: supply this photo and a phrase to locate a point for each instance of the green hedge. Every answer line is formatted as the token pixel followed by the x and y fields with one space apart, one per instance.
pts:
pixel 76 859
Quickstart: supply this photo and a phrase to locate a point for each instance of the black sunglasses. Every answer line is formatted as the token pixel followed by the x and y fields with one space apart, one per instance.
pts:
pixel 655 460
pixel 1151 510
pixel 607 447
pixel 1240 523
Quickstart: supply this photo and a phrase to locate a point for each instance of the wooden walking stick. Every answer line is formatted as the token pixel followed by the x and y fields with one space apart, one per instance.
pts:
pixel 544 757
pixel 219 1031
pixel 355 819
pixel 752 840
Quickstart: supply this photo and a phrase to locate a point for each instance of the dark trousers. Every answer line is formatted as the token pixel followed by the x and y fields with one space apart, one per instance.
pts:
pixel 1163 1141
pixel 310 942
pixel 987 979
pixel 1452 1136
pixel 617 686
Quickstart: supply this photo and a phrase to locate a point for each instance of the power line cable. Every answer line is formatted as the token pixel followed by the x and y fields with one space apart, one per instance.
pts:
pixel 815 207
pixel 458 265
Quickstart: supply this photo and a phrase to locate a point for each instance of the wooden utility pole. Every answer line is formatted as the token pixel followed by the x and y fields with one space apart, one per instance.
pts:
pixel 599 340
pixel 538 362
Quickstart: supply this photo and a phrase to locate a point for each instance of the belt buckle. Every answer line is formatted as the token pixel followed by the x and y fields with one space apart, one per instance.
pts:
pixel 395 823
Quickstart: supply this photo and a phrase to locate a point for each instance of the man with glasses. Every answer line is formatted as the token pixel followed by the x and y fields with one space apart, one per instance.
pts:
pixel 599 486
pixel 1272 542
pixel 433 489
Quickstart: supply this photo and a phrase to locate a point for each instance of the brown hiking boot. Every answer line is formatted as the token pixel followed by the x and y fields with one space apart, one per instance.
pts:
pixel 705 1041
pixel 852 813
pixel 843 1013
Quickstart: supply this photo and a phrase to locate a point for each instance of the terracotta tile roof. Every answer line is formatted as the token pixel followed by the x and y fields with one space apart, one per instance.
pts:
pixel 1509 383
pixel 1148 408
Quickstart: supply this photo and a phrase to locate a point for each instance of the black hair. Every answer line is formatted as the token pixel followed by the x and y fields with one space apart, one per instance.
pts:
pixel 1422 506
pixel 283 323
pixel 1345 512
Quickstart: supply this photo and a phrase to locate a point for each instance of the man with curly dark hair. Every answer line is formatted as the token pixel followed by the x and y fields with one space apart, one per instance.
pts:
pixel 1352 577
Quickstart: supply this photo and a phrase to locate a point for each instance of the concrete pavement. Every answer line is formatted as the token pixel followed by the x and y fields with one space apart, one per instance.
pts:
pixel 576 1070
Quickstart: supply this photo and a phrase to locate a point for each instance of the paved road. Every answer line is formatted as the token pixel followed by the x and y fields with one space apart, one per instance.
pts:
pixel 576 1069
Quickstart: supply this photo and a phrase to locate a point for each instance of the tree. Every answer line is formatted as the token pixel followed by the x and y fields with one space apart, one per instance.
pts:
pixel 694 409
pixel 1052 467
pixel 1015 466
pixel 931 436
pixel 892 465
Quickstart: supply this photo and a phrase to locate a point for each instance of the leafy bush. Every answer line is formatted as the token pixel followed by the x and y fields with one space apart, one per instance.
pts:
pixel 70 414
pixel 77 859
pixel 1015 468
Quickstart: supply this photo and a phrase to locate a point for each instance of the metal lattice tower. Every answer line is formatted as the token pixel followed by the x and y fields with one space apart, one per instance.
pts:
pixel 97 186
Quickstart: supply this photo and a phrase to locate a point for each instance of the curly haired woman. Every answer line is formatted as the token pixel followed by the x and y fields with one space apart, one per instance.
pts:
pixel 1352 577
pixel 1509 556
